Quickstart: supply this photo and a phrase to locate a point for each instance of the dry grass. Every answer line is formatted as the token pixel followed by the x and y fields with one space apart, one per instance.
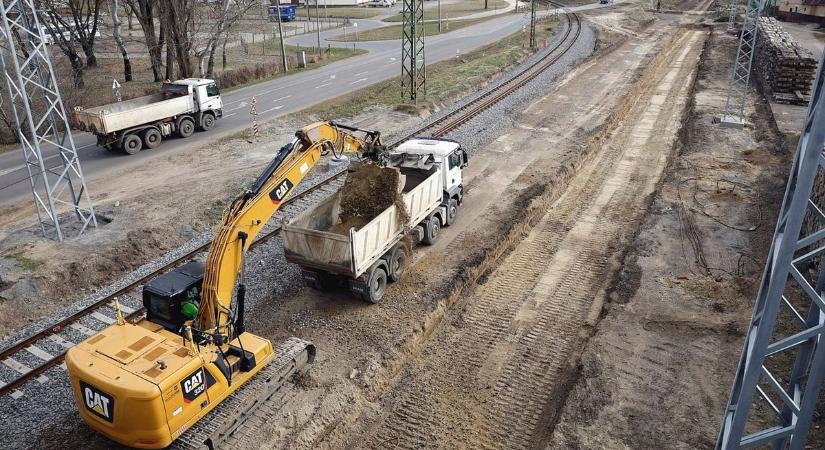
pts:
pixel 460 9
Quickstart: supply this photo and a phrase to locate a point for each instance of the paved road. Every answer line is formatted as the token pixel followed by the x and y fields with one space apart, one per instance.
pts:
pixel 281 96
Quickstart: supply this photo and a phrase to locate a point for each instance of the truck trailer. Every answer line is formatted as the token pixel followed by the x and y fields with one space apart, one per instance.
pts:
pixel 180 108
pixel 365 259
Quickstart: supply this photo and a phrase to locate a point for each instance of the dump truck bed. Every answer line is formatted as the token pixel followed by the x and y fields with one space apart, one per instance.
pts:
pixel 131 113
pixel 309 239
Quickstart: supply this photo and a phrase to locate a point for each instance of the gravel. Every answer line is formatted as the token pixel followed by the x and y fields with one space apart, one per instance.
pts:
pixel 46 411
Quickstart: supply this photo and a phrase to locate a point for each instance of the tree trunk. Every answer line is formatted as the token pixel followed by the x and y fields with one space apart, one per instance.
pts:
pixel 127 65
pixel 210 65
pixel 223 52
pixel 77 71
pixel 170 59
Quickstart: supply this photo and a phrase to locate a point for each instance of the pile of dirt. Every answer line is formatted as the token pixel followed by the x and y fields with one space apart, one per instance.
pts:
pixel 367 192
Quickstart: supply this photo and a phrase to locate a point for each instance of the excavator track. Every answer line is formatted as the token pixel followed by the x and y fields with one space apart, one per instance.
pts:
pixel 270 383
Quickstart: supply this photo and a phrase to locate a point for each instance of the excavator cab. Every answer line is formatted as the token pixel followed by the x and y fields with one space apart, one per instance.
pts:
pixel 174 298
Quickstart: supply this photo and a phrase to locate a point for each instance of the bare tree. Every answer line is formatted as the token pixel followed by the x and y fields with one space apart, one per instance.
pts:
pixel 73 23
pixel 127 65
pixel 145 12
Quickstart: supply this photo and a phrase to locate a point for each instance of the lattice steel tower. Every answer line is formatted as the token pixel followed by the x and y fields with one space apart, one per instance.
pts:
pixel 733 10
pixel 772 402
pixel 55 176
pixel 413 70
pixel 740 76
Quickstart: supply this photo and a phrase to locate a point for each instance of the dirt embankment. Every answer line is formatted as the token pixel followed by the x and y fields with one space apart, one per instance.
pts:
pixel 658 371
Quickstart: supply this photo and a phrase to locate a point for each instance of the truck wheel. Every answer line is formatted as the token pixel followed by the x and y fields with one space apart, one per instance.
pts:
pixel 376 286
pixel 398 262
pixel 132 144
pixel 207 122
pixel 431 231
pixel 151 138
pixel 452 211
pixel 186 127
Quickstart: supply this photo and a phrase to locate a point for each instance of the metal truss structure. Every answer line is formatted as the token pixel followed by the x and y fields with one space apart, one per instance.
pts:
pixel 413 70
pixel 55 175
pixel 733 10
pixel 740 76
pixel 772 401
pixel 533 24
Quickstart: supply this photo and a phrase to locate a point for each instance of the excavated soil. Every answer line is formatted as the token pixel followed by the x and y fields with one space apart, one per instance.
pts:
pixel 368 191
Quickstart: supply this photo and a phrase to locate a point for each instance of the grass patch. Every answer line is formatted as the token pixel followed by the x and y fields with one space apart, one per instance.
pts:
pixel 461 9
pixel 24 262
pixel 394 31
pixel 341 12
pixel 446 80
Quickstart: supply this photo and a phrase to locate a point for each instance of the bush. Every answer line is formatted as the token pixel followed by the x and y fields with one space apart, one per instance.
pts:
pixel 246 74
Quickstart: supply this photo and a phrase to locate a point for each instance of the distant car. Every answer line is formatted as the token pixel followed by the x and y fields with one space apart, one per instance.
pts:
pixel 379 3
pixel 603 2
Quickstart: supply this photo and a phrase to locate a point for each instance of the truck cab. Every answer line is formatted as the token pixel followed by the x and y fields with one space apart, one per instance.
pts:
pixel 445 152
pixel 205 93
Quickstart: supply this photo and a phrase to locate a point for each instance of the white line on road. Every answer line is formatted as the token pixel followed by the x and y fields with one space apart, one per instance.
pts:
pixel 229 115
pixel 279 99
pixel 321 85
pixel 271 109
pixel 361 73
pixel 359 80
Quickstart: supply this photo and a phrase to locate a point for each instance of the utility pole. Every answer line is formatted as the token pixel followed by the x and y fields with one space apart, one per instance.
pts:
pixel 739 87
pixel 281 36
pixel 318 26
pixel 733 9
pixel 533 24
pixel 793 284
pixel 55 175
pixel 413 72
pixel 439 13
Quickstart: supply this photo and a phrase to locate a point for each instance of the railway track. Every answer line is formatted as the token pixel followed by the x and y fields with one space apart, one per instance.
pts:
pixel 28 359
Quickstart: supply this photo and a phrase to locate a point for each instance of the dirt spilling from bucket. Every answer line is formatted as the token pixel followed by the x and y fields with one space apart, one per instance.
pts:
pixel 368 191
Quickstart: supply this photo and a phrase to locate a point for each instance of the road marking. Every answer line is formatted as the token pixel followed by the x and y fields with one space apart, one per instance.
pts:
pixel 359 80
pixel 361 73
pixel 82 329
pixel 60 341
pixel 103 318
pixel 239 107
pixel 279 99
pixel 321 85
pixel 271 109
pixel 229 115
pixel 40 353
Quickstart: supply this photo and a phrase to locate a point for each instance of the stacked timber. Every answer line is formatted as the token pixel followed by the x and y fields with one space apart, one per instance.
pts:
pixel 785 69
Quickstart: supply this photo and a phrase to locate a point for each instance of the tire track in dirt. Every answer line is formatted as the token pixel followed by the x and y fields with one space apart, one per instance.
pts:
pixel 491 377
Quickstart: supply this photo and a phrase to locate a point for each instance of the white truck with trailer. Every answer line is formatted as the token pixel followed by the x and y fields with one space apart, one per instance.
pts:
pixel 364 260
pixel 180 108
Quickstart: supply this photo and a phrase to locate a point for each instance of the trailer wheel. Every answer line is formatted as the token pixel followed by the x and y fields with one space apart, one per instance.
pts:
pixel 398 262
pixel 207 122
pixel 151 138
pixel 132 144
pixel 376 285
pixel 452 211
pixel 432 228
pixel 186 127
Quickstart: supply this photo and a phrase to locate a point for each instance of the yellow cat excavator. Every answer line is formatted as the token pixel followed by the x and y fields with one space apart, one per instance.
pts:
pixel 188 372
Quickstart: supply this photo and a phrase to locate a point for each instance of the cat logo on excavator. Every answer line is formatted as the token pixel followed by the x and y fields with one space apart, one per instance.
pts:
pixel 99 403
pixel 193 386
pixel 278 194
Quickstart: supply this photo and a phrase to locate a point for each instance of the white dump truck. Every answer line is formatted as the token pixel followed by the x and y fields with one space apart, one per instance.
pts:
pixel 143 122
pixel 364 260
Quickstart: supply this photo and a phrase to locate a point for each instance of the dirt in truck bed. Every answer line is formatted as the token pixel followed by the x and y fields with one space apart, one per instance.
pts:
pixel 368 191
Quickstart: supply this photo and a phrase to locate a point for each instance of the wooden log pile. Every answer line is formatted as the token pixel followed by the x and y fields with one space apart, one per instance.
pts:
pixel 785 69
